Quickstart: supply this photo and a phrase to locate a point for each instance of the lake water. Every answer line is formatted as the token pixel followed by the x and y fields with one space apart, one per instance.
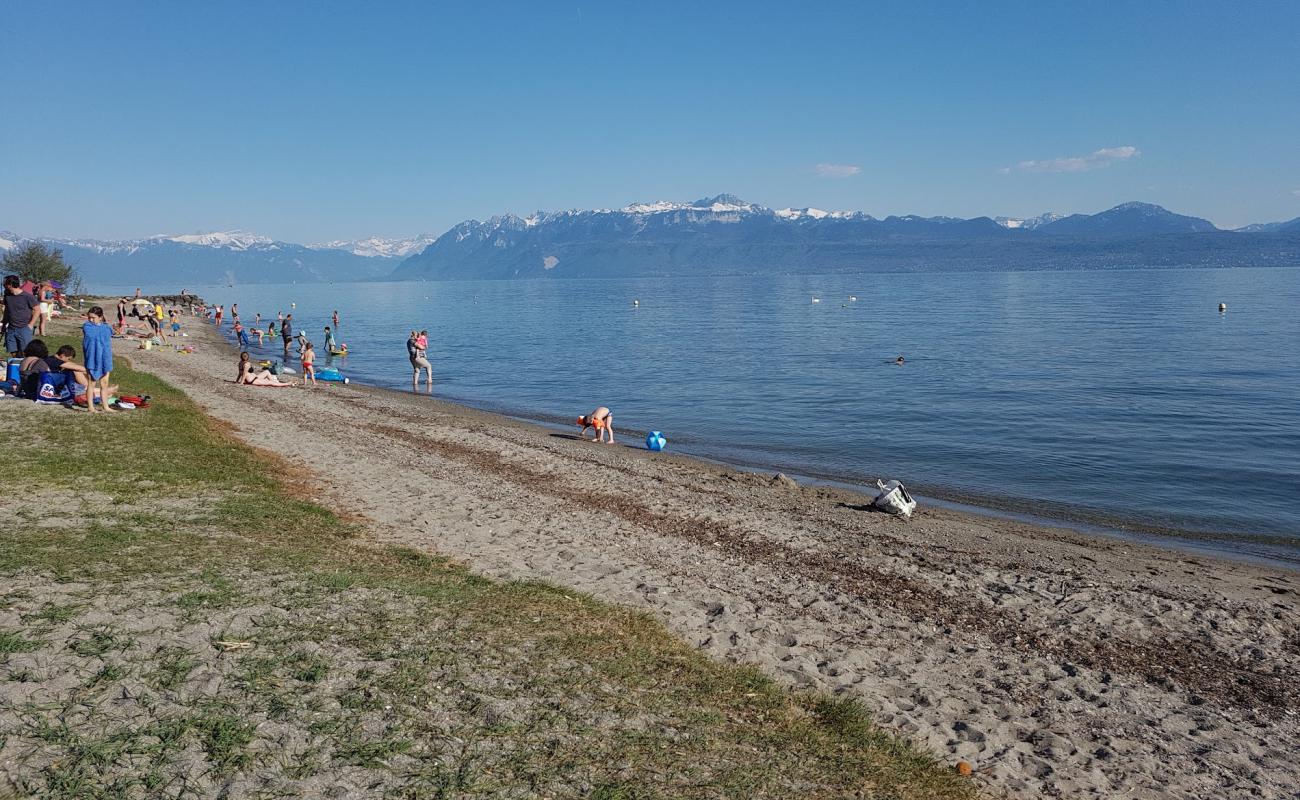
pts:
pixel 1122 398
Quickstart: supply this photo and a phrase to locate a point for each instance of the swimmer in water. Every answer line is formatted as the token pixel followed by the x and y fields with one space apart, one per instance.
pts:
pixel 900 361
pixel 602 420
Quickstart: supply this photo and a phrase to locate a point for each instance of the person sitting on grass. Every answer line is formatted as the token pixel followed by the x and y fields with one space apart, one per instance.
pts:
pixel 602 420
pixel 37 362
pixel 63 360
pixel 248 377
pixel 32 367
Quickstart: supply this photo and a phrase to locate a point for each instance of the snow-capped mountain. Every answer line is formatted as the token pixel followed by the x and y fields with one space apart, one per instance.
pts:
pixel 235 240
pixel 710 236
pixel 375 247
pixel 198 258
pixel 727 235
pixel 1028 223
pixel 721 204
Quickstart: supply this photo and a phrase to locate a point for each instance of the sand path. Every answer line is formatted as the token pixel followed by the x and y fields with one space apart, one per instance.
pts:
pixel 1059 665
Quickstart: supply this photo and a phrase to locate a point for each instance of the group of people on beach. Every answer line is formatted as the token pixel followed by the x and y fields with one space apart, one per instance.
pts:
pixel 600 420
pixel 28 308
pixel 264 374
pixel 32 372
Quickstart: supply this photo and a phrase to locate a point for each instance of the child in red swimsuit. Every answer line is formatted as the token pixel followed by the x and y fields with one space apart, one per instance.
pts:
pixel 308 364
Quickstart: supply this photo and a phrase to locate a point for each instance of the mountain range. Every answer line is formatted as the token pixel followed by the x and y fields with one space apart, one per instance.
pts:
pixel 713 235
pixel 726 235
pixel 226 257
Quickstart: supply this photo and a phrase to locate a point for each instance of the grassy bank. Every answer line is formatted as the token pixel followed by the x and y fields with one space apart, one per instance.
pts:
pixel 179 619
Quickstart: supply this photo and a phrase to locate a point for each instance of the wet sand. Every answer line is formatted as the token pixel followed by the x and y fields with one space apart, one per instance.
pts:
pixel 1058 664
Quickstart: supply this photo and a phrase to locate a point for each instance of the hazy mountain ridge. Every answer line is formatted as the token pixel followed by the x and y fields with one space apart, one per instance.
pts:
pixel 377 247
pixel 1270 227
pixel 726 235
pixel 713 235
pixel 206 258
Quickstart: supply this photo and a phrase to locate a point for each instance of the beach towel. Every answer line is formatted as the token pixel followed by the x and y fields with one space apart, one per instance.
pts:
pixel 97 345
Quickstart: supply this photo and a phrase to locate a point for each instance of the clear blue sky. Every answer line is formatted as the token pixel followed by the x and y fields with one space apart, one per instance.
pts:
pixel 307 121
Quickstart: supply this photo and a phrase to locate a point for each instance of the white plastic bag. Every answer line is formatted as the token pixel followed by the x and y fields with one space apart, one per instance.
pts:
pixel 894 499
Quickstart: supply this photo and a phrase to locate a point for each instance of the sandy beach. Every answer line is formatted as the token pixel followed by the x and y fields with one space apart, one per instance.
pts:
pixel 1057 664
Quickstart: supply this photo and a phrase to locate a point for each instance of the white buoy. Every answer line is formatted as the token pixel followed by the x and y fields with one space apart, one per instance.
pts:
pixel 1223 307
pixel 817 299
pixel 853 298
pixel 636 303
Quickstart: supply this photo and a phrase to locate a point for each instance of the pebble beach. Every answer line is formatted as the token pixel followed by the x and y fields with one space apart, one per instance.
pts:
pixel 1056 664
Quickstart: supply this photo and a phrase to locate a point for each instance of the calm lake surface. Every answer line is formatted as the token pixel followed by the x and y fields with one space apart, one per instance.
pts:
pixel 1122 398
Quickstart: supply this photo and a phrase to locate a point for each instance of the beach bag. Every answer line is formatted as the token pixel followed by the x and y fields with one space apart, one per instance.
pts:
pixel 55 388
pixel 894 499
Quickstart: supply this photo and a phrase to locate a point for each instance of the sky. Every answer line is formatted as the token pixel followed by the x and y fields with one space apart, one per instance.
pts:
pixel 314 121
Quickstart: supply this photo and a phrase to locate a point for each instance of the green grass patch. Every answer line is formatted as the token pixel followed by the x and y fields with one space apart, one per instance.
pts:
pixel 11 642
pixel 98 640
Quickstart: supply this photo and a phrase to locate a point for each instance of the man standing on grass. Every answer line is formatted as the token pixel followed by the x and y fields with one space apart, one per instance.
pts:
pixel 286 333
pixel 20 315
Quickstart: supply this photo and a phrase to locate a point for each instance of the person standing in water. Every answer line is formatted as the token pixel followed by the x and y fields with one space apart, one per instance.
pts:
pixel 336 319
pixel 330 346
pixel 419 361
pixel 286 333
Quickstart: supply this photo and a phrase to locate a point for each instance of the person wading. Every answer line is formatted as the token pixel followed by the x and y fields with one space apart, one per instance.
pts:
pixel 286 333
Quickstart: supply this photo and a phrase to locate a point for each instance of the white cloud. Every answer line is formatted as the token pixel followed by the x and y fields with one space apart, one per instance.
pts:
pixel 836 170
pixel 1094 160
